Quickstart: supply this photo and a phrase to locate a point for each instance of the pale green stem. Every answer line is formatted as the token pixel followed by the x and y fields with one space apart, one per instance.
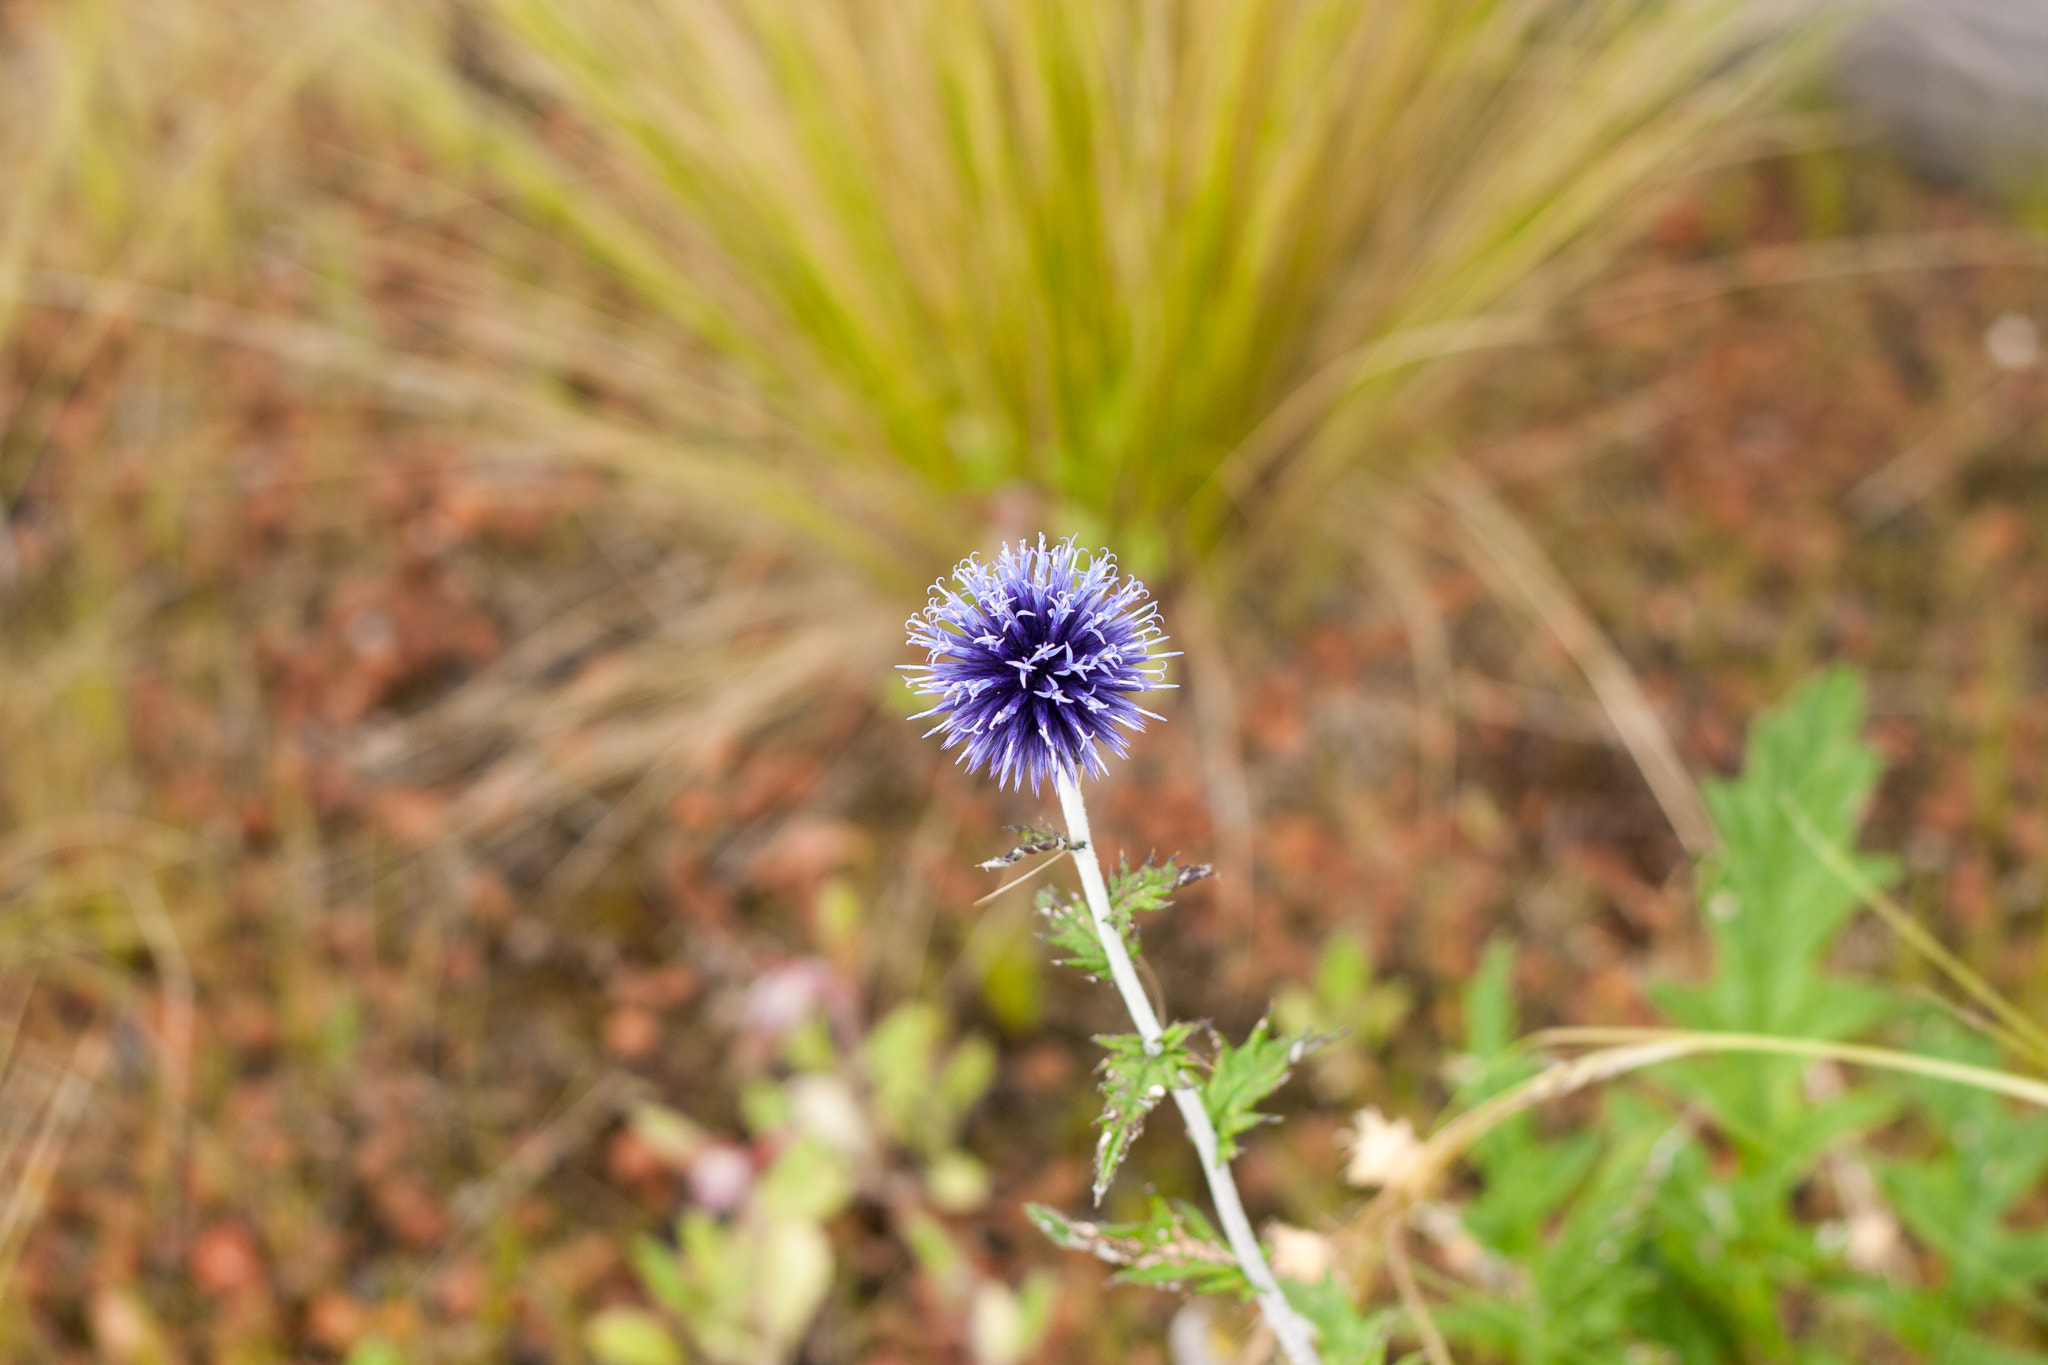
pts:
pixel 1681 1041
pixel 1630 1049
pixel 1623 1050
pixel 1290 1329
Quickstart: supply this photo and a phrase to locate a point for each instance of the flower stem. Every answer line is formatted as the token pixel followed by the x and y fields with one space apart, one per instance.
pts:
pixel 1290 1329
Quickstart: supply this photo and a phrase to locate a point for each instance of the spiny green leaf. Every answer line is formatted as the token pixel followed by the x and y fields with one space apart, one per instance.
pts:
pixel 1136 1077
pixel 1961 1201
pixel 1173 1247
pixel 1148 887
pixel 1070 929
pixel 1244 1075
pixel 1145 889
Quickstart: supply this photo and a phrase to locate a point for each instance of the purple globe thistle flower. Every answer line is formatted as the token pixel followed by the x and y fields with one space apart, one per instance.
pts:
pixel 1034 661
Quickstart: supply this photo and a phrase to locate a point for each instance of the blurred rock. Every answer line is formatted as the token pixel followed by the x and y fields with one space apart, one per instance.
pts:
pixel 1960 85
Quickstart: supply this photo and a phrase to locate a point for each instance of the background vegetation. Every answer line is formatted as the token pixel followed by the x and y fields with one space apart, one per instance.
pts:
pixel 468 893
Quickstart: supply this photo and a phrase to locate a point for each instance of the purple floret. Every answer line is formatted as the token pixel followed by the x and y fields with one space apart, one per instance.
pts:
pixel 1033 661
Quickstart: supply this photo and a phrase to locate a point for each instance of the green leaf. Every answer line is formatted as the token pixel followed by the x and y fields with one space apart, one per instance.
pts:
pixel 808 1181
pixel 375 1351
pixel 791 1275
pixel 629 1336
pixel 900 1056
pixel 1490 1003
pixel 661 1273
pixel 672 1135
pixel 1244 1075
pixel 1774 906
pixel 1961 1201
pixel 1012 982
pixel 1145 889
pixel 1344 1335
pixel 1173 1247
pixel 1069 929
pixel 966 1076
pixel 1136 1077
pixel 1148 887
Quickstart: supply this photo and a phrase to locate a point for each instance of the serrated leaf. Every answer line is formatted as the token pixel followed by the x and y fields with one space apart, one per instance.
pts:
pixel 1135 1078
pixel 1772 904
pixel 1774 907
pixel 1244 1075
pixel 1148 887
pixel 1173 1247
pixel 1070 929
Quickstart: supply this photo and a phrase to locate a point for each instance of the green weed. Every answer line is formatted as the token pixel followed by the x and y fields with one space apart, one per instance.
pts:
pixel 1726 1210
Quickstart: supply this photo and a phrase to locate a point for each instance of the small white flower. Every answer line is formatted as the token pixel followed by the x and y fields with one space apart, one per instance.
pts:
pixel 2013 342
pixel 1381 1149
pixel 1297 1253
pixel 1873 1243
pixel 825 1108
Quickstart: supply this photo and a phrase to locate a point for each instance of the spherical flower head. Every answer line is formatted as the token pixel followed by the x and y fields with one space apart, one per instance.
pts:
pixel 1034 662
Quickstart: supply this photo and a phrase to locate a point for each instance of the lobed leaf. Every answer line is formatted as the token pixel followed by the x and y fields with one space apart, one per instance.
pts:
pixel 1244 1075
pixel 1773 905
pixel 1135 1078
pixel 1070 929
pixel 1145 889
pixel 1149 887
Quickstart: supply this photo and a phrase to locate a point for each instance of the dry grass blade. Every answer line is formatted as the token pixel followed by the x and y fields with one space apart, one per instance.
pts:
pixel 620 697
pixel 1437 696
pixel 178 1023
pixel 1504 552
pixel 1924 465
pixel 2016 1028
pixel 477 1205
pixel 2023 1088
pixel 1433 1344
pixel 31 1162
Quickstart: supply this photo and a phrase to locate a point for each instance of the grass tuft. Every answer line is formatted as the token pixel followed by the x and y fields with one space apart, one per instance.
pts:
pixel 1163 269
